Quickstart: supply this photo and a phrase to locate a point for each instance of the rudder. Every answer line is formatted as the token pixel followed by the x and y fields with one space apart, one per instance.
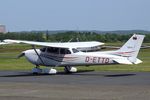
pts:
pixel 131 48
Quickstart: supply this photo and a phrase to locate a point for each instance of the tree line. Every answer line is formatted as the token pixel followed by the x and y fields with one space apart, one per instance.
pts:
pixel 69 36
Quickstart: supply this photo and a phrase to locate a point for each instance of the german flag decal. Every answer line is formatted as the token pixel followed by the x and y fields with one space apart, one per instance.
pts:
pixel 134 38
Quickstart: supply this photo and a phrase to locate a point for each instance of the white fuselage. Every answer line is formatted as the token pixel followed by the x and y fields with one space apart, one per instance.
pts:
pixel 73 59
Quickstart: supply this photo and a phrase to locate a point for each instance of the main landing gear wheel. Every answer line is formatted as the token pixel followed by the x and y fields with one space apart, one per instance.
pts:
pixel 50 71
pixel 69 69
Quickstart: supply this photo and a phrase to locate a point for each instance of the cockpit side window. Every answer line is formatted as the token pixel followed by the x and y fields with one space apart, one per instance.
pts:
pixel 64 51
pixel 53 50
pixel 75 50
pixel 58 50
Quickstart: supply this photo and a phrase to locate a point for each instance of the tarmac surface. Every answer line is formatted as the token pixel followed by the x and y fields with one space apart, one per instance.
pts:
pixel 91 85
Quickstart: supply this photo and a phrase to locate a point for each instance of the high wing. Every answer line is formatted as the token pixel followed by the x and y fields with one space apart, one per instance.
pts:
pixel 110 47
pixel 116 47
pixel 58 44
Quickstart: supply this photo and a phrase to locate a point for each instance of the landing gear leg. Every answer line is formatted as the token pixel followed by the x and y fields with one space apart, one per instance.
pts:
pixel 67 69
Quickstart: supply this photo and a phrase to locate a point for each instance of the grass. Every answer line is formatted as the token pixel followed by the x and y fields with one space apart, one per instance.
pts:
pixel 9 53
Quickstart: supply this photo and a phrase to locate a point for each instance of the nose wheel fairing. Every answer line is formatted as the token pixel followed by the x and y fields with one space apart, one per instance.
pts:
pixel 38 70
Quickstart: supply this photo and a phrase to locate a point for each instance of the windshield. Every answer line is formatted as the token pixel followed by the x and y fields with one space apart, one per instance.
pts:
pixel 43 49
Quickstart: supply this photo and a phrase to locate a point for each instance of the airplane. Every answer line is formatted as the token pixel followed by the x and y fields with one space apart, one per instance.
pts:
pixel 66 55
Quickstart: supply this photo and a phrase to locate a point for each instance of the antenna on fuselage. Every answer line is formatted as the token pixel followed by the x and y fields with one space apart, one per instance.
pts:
pixel 70 40
pixel 77 39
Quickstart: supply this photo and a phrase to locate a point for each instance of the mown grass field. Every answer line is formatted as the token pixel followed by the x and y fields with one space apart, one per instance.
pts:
pixel 8 61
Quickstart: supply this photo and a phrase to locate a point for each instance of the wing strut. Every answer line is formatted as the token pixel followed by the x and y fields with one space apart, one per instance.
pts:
pixel 33 46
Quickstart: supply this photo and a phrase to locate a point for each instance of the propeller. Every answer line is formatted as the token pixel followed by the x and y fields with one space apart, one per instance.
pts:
pixel 21 55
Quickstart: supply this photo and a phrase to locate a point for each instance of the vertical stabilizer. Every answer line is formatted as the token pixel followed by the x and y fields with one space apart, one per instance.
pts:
pixel 131 48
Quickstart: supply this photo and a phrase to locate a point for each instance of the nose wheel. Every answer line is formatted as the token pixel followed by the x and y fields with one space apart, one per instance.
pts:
pixel 38 70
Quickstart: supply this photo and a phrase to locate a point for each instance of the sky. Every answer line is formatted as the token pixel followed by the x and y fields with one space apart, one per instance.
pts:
pixel 104 15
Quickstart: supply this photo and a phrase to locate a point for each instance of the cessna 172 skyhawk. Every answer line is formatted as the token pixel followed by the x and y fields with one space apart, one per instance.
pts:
pixel 66 55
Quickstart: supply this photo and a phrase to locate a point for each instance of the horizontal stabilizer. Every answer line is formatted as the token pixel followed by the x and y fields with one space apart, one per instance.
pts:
pixel 138 61
pixel 122 61
pixel 126 61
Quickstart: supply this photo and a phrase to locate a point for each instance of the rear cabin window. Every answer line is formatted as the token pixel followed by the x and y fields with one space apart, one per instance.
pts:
pixel 64 51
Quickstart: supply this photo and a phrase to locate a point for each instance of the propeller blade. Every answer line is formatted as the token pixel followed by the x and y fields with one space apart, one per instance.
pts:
pixel 21 55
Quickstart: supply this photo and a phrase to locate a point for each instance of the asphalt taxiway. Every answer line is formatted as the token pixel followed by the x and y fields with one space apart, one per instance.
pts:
pixel 91 85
